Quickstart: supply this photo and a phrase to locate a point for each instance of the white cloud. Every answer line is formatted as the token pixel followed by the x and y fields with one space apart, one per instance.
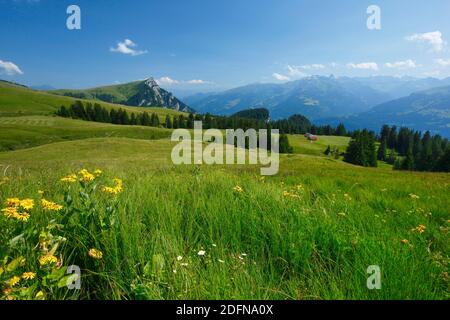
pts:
pixel 314 66
pixel 299 71
pixel 443 62
pixel 126 47
pixel 363 65
pixel 167 81
pixel 197 81
pixel 280 77
pixel 434 39
pixel 9 68
pixel 295 71
pixel 406 64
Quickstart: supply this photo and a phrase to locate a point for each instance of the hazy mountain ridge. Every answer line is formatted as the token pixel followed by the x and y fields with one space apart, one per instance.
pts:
pixel 422 104
pixel 315 97
pixel 424 110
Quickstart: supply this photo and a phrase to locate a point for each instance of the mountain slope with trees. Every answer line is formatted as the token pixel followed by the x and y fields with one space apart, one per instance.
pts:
pixel 424 110
pixel 145 93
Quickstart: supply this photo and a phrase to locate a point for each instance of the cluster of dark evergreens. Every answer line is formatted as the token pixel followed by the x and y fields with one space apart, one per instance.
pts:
pixel 95 112
pixel 361 149
pixel 256 113
pixel 407 149
pixel 328 130
pixel 334 152
pixel 404 148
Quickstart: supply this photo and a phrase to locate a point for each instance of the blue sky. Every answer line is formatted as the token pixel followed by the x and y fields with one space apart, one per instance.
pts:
pixel 204 45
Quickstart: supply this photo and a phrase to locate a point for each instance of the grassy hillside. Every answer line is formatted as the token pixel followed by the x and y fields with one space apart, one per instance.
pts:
pixel 17 101
pixel 206 232
pixel 115 93
pixel 29 131
pixel 302 145
pixel 308 233
pixel 137 93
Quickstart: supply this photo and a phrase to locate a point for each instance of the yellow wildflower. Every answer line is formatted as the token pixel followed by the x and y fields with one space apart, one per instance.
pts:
pixel 47 259
pixel 420 229
pixel 70 178
pixel 118 187
pixel 238 189
pixel 40 296
pixel 24 216
pixel 404 241
pixel 28 275
pixel 48 205
pixel 13 281
pixel 10 212
pixel 97 172
pixel 13 202
pixel 347 196
pixel 414 196
pixel 95 254
pixel 40 192
pixel 289 194
pixel 27 204
pixel 86 176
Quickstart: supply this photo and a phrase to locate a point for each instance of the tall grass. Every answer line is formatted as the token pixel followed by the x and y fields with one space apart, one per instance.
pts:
pixel 308 233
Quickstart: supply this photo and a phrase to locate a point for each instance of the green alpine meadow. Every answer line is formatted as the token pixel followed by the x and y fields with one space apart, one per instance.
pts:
pixel 232 158
pixel 107 198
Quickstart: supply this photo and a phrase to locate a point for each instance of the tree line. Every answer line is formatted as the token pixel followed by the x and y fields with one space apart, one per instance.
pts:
pixel 404 148
pixel 408 149
pixel 96 112
pixel 362 149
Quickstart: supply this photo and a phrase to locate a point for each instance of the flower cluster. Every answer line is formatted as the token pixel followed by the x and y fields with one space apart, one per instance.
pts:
pixel 95 254
pixel 83 175
pixel 18 209
pixel 420 229
pixel 118 187
pixel 238 189
pixel 41 269
pixel 48 205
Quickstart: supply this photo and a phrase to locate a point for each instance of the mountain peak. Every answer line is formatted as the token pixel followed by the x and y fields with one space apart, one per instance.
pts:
pixel 142 93
pixel 151 82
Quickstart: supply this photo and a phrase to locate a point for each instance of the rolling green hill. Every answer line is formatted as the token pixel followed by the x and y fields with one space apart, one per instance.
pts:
pixel 146 93
pixel 16 100
pixel 304 146
pixel 30 131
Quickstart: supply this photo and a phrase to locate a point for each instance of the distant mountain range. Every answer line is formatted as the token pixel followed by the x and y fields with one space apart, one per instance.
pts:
pixel 144 93
pixel 421 104
pixel 423 110
pixel 357 102
pixel 314 97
